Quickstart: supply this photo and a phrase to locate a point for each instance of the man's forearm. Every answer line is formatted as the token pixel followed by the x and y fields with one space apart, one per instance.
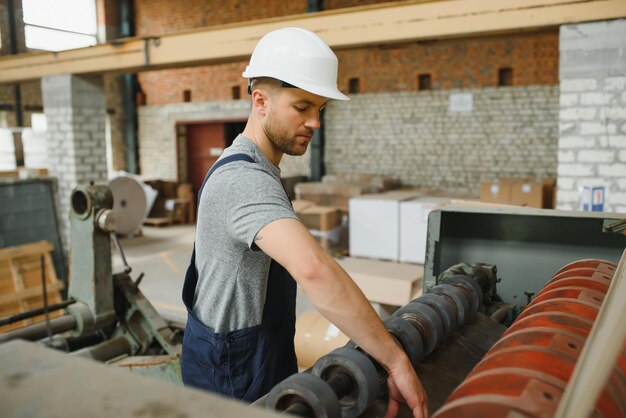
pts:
pixel 340 300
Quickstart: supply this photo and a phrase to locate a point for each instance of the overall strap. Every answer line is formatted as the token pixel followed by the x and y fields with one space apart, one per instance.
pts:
pixel 218 164
pixel 191 276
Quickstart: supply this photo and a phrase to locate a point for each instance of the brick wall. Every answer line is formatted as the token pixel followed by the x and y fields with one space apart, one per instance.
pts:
pixel 157 136
pixel 453 63
pixel 75 113
pixel 510 131
pixel 592 138
pixel 207 83
pixel 157 133
pixel 112 89
pixel 157 17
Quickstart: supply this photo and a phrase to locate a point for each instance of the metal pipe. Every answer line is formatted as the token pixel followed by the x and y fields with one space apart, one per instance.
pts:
pixel 17 94
pixel 107 350
pixel 130 88
pixel 38 331
pixel 30 314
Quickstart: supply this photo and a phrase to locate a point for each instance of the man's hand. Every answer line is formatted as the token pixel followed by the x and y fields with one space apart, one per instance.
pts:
pixel 404 386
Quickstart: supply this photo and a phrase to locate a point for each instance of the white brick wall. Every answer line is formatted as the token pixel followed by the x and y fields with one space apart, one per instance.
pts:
pixel 157 131
pixel 510 132
pixel 75 116
pixel 592 147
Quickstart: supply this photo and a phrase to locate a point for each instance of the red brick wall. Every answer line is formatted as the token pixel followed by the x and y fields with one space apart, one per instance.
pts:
pixel 157 17
pixel 207 83
pixel 454 63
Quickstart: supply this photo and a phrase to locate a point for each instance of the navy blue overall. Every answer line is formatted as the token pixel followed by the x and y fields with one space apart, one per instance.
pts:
pixel 246 363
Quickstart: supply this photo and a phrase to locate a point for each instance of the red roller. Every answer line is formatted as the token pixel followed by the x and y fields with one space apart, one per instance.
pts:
pixel 526 371
pixel 582 272
pixel 598 265
pixel 582 308
pixel 601 285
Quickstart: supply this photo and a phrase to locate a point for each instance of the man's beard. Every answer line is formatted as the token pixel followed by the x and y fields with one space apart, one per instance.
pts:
pixel 282 140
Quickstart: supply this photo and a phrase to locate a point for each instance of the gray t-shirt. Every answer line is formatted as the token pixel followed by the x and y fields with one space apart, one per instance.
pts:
pixel 238 200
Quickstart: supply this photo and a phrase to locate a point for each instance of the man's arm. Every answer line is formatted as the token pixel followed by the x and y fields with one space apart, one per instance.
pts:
pixel 339 299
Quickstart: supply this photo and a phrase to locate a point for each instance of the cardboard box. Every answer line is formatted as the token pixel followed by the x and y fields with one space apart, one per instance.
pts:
pixel 375 224
pixel 299 205
pixel 334 241
pixel 497 191
pixel 375 183
pixel 337 195
pixel 526 192
pixel 322 218
pixel 385 282
pixel 537 193
pixel 414 226
pixel 289 183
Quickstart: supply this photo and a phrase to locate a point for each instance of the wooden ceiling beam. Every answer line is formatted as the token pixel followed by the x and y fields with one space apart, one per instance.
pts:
pixel 342 29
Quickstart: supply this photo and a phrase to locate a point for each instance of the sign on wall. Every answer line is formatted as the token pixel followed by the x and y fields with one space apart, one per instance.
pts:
pixel 460 102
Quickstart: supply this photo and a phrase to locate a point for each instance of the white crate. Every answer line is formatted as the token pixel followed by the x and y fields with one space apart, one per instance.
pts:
pixel 414 227
pixel 374 222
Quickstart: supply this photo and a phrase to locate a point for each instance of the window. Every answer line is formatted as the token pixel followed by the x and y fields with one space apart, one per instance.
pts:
pixel 236 92
pixel 505 76
pixel 424 82
pixel 59 25
pixel 186 96
pixel 354 85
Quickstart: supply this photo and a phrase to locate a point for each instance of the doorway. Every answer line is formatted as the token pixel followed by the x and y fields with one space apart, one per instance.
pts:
pixel 204 142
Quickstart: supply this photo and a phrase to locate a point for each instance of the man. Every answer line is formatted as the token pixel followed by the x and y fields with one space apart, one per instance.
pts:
pixel 251 249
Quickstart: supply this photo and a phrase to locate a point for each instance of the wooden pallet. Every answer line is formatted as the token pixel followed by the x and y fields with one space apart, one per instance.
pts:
pixel 158 222
pixel 21 287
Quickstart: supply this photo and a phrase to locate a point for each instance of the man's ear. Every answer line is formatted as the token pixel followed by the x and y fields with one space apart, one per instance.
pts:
pixel 260 101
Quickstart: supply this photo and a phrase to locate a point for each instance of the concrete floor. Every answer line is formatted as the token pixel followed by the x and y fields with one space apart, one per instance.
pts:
pixel 163 254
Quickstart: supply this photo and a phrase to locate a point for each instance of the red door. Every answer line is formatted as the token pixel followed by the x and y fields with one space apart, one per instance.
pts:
pixel 205 143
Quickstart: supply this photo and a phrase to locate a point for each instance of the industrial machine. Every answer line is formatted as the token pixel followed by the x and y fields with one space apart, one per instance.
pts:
pixel 510 299
pixel 106 315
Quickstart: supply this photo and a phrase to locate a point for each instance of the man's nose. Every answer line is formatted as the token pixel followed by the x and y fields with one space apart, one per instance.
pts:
pixel 312 122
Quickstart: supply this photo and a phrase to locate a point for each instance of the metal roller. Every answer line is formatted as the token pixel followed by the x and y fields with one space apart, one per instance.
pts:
pixel 456 295
pixel 355 379
pixel 525 373
pixel 596 264
pixel 362 373
pixel 408 337
pixel 426 321
pixel 580 308
pixel 584 300
pixel 443 308
pixel 561 340
pixel 572 292
pixel 600 285
pixel 306 391
pixel 559 320
pixel 582 272
pixel 473 295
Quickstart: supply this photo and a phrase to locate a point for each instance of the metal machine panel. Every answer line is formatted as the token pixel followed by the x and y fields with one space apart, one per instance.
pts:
pixel 527 245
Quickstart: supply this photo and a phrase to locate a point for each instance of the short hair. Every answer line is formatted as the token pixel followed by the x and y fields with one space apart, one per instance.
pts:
pixel 269 83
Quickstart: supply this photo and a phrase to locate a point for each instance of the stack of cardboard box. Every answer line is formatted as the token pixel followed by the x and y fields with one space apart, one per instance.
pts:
pixel 336 190
pixel 536 193
pixel 326 224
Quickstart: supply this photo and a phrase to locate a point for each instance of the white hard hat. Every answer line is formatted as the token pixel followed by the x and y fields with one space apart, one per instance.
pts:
pixel 298 57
